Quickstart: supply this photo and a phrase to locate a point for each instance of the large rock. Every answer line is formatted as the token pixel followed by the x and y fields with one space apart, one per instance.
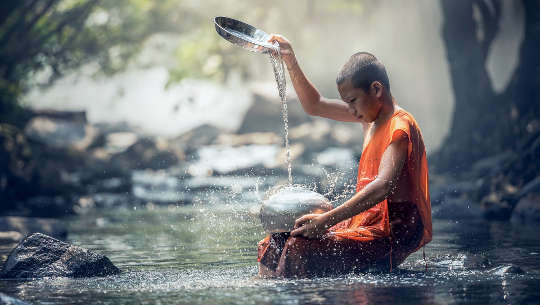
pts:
pixel 39 256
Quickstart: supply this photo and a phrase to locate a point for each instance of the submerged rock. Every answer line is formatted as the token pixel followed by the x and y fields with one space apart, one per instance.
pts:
pixel 39 256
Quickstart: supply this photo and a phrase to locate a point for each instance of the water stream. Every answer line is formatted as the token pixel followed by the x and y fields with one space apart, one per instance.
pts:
pixel 279 73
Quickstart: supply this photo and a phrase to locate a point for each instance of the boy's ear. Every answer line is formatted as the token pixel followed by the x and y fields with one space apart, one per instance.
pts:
pixel 376 89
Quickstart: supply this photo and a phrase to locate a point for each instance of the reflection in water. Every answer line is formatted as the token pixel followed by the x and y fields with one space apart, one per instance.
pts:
pixel 205 254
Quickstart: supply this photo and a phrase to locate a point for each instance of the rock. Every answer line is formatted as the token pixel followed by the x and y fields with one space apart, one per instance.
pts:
pixel 197 137
pixel 10 237
pixel 476 261
pixel 148 153
pixel 492 165
pixel 532 187
pixel 508 269
pixel 258 138
pixel 39 256
pixel 527 209
pixel 264 115
pixel 73 116
pixel 7 300
pixel 118 142
pixel 29 225
pixel 60 133
pixel 495 207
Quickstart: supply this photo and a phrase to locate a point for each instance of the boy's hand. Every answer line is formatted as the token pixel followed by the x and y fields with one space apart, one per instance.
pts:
pixel 285 49
pixel 310 226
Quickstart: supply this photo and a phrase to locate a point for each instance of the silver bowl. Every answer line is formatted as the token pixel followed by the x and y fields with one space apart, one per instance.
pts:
pixel 243 34
pixel 279 211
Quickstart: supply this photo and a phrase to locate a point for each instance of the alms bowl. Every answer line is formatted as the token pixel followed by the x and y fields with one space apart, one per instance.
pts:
pixel 280 210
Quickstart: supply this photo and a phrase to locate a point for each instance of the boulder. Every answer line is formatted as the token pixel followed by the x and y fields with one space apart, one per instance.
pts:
pixel 7 300
pixel 39 256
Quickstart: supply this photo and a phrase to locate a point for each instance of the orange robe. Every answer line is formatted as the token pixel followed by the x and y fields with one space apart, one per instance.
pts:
pixel 374 223
pixel 366 237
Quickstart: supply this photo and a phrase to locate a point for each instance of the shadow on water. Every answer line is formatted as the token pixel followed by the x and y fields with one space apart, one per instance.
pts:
pixel 206 254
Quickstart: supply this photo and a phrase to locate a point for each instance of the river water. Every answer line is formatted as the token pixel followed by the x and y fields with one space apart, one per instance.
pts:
pixel 206 254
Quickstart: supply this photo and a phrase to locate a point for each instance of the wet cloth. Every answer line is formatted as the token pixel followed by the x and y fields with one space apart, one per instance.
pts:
pixel 289 256
pixel 367 237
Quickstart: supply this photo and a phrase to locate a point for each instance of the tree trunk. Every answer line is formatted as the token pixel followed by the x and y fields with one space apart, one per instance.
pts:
pixel 481 123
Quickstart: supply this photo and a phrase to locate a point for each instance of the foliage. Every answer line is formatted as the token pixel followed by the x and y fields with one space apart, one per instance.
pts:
pixel 57 36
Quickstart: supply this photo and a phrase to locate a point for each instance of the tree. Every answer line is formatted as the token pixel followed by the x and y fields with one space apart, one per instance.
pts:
pixel 486 123
pixel 60 35
pixel 503 126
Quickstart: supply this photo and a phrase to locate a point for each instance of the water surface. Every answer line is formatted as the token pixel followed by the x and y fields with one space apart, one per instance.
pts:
pixel 206 254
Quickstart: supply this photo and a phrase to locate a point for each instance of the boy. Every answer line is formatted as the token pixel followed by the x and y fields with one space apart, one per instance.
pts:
pixel 389 217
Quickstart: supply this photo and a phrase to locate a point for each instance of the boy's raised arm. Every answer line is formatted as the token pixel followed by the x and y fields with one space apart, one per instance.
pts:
pixel 310 98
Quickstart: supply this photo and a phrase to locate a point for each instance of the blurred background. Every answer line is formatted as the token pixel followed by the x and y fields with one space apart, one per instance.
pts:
pixel 93 91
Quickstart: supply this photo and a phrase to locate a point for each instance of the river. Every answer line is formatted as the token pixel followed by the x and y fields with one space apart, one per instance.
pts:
pixel 205 253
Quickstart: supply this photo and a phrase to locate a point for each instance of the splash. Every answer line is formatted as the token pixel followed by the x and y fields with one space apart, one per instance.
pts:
pixel 277 65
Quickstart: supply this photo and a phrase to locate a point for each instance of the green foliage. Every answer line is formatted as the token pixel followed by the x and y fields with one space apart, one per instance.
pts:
pixel 61 35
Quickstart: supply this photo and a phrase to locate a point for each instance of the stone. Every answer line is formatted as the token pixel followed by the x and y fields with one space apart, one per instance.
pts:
pixel 29 225
pixel 264 115
pixel 10 237
pixel 148 153
pixel 527 209
pixel 60 133
pixel 258 138
pixel 202 135
pixel 39 256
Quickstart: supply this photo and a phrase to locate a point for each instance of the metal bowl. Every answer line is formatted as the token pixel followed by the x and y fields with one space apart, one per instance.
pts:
pixel 279 212
pixel 243 34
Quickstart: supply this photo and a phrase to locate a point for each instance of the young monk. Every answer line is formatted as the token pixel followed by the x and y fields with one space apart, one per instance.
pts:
pixel 389 217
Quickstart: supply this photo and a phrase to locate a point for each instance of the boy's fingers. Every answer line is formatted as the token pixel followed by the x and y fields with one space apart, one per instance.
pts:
pixel 297 232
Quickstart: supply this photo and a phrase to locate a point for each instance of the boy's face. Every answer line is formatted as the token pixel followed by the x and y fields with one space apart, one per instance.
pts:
pixel 363 105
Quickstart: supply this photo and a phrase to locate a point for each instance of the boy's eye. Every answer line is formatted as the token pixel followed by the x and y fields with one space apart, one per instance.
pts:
pixel 352 100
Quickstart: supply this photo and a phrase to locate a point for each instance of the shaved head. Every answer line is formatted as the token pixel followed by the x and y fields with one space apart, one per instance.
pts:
pixel 362 69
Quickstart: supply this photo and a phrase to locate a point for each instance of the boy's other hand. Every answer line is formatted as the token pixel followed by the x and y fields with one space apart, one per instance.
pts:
pixel 285 49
